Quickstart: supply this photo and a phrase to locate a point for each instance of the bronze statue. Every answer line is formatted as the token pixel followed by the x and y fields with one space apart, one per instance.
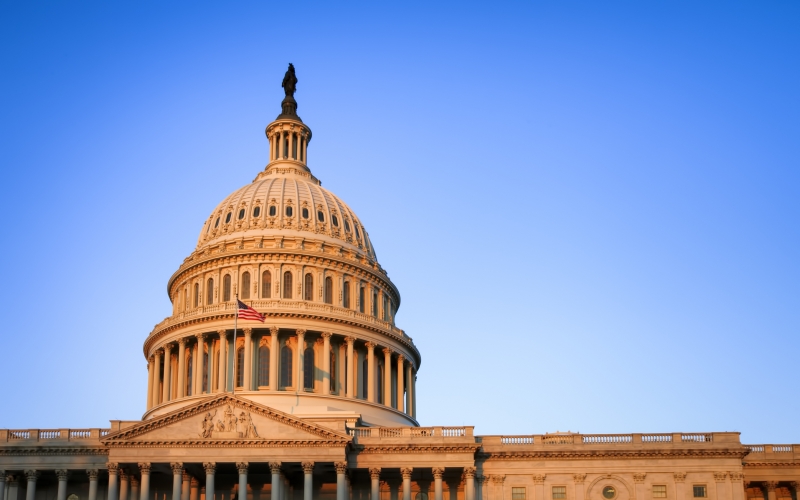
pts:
pixel 289 81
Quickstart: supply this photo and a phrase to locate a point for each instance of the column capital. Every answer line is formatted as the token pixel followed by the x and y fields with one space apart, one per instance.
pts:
pixel 771 485
pixel 438 472
pixel 370 345
pixel 539 478
pixel 341 467
pixel 62 474
pixel 123 473
pixel 201 337
pixel 387 351
pixel 92 473
pixel 151 359
pixel 679 477
pixel 793 484
pixel 247 331
pixel 736 476
pixel 300 332
pixel 144 468
pixel 579 478
pixel 186 476
pixel 308 467
pixel 159 351
pixel 242 467
pixel 210 467
pixel 400 358
pixel 112 467
pixel 182 341
pixel 720 477
pixel 375 472
pixel 326 335
pixel 273 330
pixel 12 478
pixel 406 472
pixel 223 334
pixel 177 468
pixel 194 482
pixel 498 478
pixel 31 474
pixel 275 467
pixel 638 477
pixel 349 340
pixel 134 480
pixel 469 472
pixel 168 347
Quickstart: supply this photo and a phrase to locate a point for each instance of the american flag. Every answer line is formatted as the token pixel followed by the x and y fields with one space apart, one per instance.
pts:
pixel 247 312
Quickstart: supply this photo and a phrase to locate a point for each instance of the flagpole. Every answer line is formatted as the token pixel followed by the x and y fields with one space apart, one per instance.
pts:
pixel 235 324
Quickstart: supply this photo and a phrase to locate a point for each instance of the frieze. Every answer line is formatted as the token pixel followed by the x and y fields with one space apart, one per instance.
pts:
pixel 229 426
pixel 415 448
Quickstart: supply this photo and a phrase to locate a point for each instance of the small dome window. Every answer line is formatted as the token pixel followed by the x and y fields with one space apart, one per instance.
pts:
pixel 346 226
pixel 272 210
pixel 256 211
pixel 320 216
pixel 241 214
pixel 288 211
pixel 335 220
pixel 305 213
pixel 357 234
pixel 228 218
pixel 216 224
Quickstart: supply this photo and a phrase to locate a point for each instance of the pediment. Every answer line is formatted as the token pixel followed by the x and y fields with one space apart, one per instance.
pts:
pixel 225 417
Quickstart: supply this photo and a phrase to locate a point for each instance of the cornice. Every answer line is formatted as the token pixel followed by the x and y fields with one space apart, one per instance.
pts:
pixel 233 443
pixel 414 448
pixel 592 454
pixel 771 464
pixel 53 451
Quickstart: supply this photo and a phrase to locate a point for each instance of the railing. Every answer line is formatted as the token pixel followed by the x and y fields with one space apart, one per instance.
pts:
pixel 414 432
pixel 696 438
pixel 558 439
pixel 782 448
pixel 597 440
pixel 656 438
pixel 516 439
pixel 757 448
pixel 606 438
pixel 13 435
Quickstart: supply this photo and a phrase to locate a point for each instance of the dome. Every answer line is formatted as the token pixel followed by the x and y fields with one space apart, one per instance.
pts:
pixel 286 204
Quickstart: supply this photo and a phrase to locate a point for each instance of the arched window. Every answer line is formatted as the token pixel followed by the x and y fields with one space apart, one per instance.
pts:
pixel 379 383
pixel 375 304
pixel 245 290
pixel 210 291
pixel 226 288
pixel 263 365
pixel 308 289
pixel 240 367
pixel 189 371
pixel 346 294
pixel 328 290
pixel 286 366
pixel 287 285
pixel 361 298
pixel 332 376
pixel 266 285
pixel 365 378
pixel 308 368
pixel 196 294
pixel 256 211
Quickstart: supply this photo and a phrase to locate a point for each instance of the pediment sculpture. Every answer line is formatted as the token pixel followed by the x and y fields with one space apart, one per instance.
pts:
pixel 229 425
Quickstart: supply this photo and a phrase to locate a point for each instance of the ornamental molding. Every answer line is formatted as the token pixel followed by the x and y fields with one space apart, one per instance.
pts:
pixel 770 464
pixel 635 454
pixel 52 452
pixel 638 477
pixel 414 448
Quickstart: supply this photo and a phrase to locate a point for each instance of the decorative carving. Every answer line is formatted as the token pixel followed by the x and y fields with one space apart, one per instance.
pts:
pixel 679 477
pixel 341 467
pixel 326 335
pixel 539 478
pixel 375 472
pixel 498 478
pixel 469 472
pixel 349 340
pixel 771 485
pixel 736 476
pixel 406 472
pixel 720 476
pixel 33 474
pixel 438 472
pixel 62 474
pixel 92 473
pixel 210 467
pixel 579 478
pixel 112 467
pixel 273 330
pixel 177 468
pixel 370 345
pixel 242 467
pixel 387 352
pixel 275 467
pixel 639 477
pixel 308 467
pixel 229 427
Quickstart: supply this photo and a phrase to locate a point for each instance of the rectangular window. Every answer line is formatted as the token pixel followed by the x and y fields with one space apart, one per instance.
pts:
pixel 659 491
pixel 699 490
pixel 517 493
pixel 559 492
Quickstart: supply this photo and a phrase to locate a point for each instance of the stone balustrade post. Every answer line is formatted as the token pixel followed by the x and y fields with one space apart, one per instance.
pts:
pixel 242 467
pixel 308 480
pixel 92 473
pixel 144 470
pixel 438 472
pixel 62 475
pixel 375 486
pixel 210 468
pixel 113 487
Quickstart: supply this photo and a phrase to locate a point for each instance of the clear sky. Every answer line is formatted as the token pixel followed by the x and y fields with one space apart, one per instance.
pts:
pixel 590 209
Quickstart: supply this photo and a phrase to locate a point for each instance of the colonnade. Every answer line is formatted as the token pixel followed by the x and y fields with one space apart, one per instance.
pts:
pixel 287 144
pixel 210 371
pixel 124 484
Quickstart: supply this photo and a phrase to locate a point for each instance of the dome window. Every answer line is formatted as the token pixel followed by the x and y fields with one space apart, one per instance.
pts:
pixel 357 234
pixel 305 213
pixel 256 211
pixel 320 216
pixel 228 218
pixel 335 220
pixel 272 210
pixel 241 214
pixel 288 211
pixel 216 224
pixel 346 226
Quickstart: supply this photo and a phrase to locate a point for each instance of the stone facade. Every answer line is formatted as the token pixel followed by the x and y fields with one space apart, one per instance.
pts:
pixel 318 399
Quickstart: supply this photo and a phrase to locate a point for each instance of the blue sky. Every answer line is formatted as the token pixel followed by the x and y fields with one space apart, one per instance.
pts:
pixel 590 209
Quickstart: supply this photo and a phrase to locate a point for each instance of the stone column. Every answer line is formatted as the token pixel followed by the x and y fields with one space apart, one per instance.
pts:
pixel 579 491
pixel 275 468
pixel 638 480
pixel 150 363
pixel 326 364
pixel 771 485
pixel 248 359
pixel 680 490
pixel 144 469
pixel 795 486
pixel 301 347
pixel 157 377
pixel 165 386
pixel 242 468
pixel 341 486
pixel 113 487
pixel 273 359
pixel 375 478
pixel 469 483
pixel 721 478
pixel 349 373
pixel 210 468
pixel 62 475
pixel 194 489
pixel 211 367
pixel 177 477
pixel 406 473
pixel 186 480
pixel 134 487
pixel 438 472
pixel 370 372
pixel 123 484
pixel 413 394
pixel 409 390
pixel 13 486
pixel 2 484
pixel 400 389
pixel 387 377
pixel 92 473
pixel 197 365
pixel 308 480
pixel 223 361
pixel 181 375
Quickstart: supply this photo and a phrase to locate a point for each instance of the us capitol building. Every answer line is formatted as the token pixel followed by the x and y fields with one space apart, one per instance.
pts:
pixel 319 400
